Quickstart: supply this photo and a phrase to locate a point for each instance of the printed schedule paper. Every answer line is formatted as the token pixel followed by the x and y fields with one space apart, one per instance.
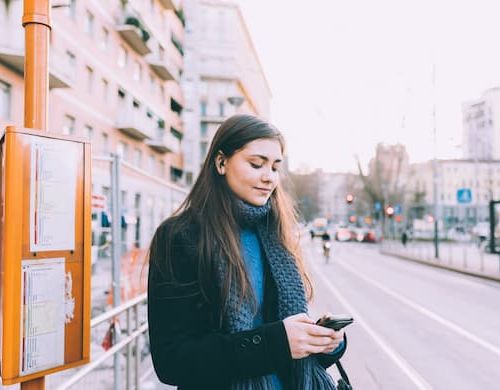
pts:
pixel 42 314
pixel 53 195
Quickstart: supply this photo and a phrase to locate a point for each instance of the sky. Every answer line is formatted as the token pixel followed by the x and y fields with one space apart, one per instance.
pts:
pixel 346 75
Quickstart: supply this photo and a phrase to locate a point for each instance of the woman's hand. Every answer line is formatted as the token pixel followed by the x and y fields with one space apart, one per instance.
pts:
pixel 306 338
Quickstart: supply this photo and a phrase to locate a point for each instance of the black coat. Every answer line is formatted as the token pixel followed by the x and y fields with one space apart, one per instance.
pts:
pixel 188 347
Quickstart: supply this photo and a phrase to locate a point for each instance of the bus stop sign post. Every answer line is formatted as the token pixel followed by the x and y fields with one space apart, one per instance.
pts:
pixel 36 23
pixel 494 220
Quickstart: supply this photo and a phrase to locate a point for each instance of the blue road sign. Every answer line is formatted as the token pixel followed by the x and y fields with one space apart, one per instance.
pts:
pixel 398 209
pixel 464 195
pixel 378 206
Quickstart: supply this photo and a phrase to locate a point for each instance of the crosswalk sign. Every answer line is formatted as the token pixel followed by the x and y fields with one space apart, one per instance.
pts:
pixel 464 195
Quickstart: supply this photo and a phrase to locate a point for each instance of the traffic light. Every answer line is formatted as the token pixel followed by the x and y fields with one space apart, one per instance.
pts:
pixel 349 198
pixel 389 211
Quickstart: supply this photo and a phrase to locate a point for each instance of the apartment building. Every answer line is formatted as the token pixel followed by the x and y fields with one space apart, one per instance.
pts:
pixel 115 69
pixel 481 177
pixel 481 126
pixel 222 75
pixel 333 189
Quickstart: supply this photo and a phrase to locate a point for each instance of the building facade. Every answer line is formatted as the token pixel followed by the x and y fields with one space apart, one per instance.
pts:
pixel 482 178
pixel 333 189
pixel 114 72
pixel 222 75
pixel 481 127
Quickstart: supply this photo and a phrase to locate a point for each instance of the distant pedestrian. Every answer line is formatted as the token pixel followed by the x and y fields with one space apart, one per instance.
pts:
pixel 404 237
pixel 227 291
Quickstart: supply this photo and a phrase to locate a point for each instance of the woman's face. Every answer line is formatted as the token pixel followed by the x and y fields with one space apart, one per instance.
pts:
pixel 252 173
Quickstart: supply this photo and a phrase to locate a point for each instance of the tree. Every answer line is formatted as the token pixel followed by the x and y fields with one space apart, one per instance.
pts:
pixel 305 188
pixel 385 181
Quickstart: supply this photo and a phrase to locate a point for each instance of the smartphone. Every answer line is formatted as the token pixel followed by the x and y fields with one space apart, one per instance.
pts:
pixel 335 322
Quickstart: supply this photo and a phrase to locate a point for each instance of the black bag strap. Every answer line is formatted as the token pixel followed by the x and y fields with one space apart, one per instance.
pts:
pixel 343 374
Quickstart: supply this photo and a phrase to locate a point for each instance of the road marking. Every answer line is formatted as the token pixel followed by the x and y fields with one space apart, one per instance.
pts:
pixel 410 372
pixel 424 311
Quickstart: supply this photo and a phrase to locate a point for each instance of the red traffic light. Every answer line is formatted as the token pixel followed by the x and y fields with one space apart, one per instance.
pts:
pixel 349 198
pixel 389 211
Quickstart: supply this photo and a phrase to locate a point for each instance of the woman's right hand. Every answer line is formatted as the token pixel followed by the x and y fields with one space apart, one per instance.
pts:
pixel 306 338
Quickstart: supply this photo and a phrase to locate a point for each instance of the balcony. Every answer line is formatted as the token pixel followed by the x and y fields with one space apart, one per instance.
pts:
pixel 134 33
pixel 12 50
pixel 164 142
pixel 168 4
pixel 135 124
pixel 163 68
pixel 216 119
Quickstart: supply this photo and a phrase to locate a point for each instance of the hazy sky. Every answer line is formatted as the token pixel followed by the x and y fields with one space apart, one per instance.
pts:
pixel 346 75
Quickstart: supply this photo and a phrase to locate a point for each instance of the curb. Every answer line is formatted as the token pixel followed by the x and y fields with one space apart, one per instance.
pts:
pixel 481 275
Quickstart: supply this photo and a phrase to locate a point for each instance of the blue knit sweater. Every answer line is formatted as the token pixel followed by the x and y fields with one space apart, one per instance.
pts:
pixel 252 254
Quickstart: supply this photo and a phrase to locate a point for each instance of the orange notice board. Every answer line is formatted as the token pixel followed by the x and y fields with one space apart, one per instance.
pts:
pixel 45 247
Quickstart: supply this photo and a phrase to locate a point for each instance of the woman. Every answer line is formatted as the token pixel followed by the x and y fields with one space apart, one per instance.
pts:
pixel 227 292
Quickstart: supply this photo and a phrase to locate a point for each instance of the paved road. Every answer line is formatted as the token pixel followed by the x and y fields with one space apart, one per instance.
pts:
pixel 416 327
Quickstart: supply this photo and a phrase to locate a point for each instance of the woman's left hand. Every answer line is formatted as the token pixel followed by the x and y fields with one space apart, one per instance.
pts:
pixel 337 338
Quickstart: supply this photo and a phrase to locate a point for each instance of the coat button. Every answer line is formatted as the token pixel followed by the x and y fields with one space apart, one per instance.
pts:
pixel 256 339
pixel 245 342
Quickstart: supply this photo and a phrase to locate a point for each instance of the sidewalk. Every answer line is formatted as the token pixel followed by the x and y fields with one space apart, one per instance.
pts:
pixel 465 258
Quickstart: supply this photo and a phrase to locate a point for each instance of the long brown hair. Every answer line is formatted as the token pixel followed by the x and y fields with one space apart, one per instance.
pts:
pixel 210 205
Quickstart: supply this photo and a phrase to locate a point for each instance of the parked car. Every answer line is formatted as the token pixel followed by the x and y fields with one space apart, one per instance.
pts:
pixel 343 234
pixel 458 233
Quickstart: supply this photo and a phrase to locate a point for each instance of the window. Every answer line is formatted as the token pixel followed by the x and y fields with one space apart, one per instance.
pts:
pixel 71 60
pixel 122 149
pixel 69 125
pixel 89 24
pixel 152 163
pixel 124 199
pixel 189 178
pixel 162 169
pixel 138 157
pixel 105 143
pixel 104 38
pixel 90 78
pixel 161 53
pixel 203 108
pixel 105 89
pixel 203 149
pixel 221 108
pixel 151 82
pixel 204 129
pixel 71 9
pixel 137 75
pixel 122 57
pixel 162 93
pixel 88 132
pixel 5 99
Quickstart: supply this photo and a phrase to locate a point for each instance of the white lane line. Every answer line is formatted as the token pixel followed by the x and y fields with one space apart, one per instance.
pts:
pixel 410 372
pixel 424 311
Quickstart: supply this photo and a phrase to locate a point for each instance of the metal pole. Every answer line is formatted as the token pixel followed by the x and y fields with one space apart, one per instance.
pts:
pixel 434 170
pixel 137 352
pixel 116 253
pixel 36 23
pixel 129 352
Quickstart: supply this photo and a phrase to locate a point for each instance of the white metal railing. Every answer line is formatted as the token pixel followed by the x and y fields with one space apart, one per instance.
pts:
pixel 125 341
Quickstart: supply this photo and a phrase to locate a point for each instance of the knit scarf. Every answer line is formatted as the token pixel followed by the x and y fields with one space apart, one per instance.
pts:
pixel 307 373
